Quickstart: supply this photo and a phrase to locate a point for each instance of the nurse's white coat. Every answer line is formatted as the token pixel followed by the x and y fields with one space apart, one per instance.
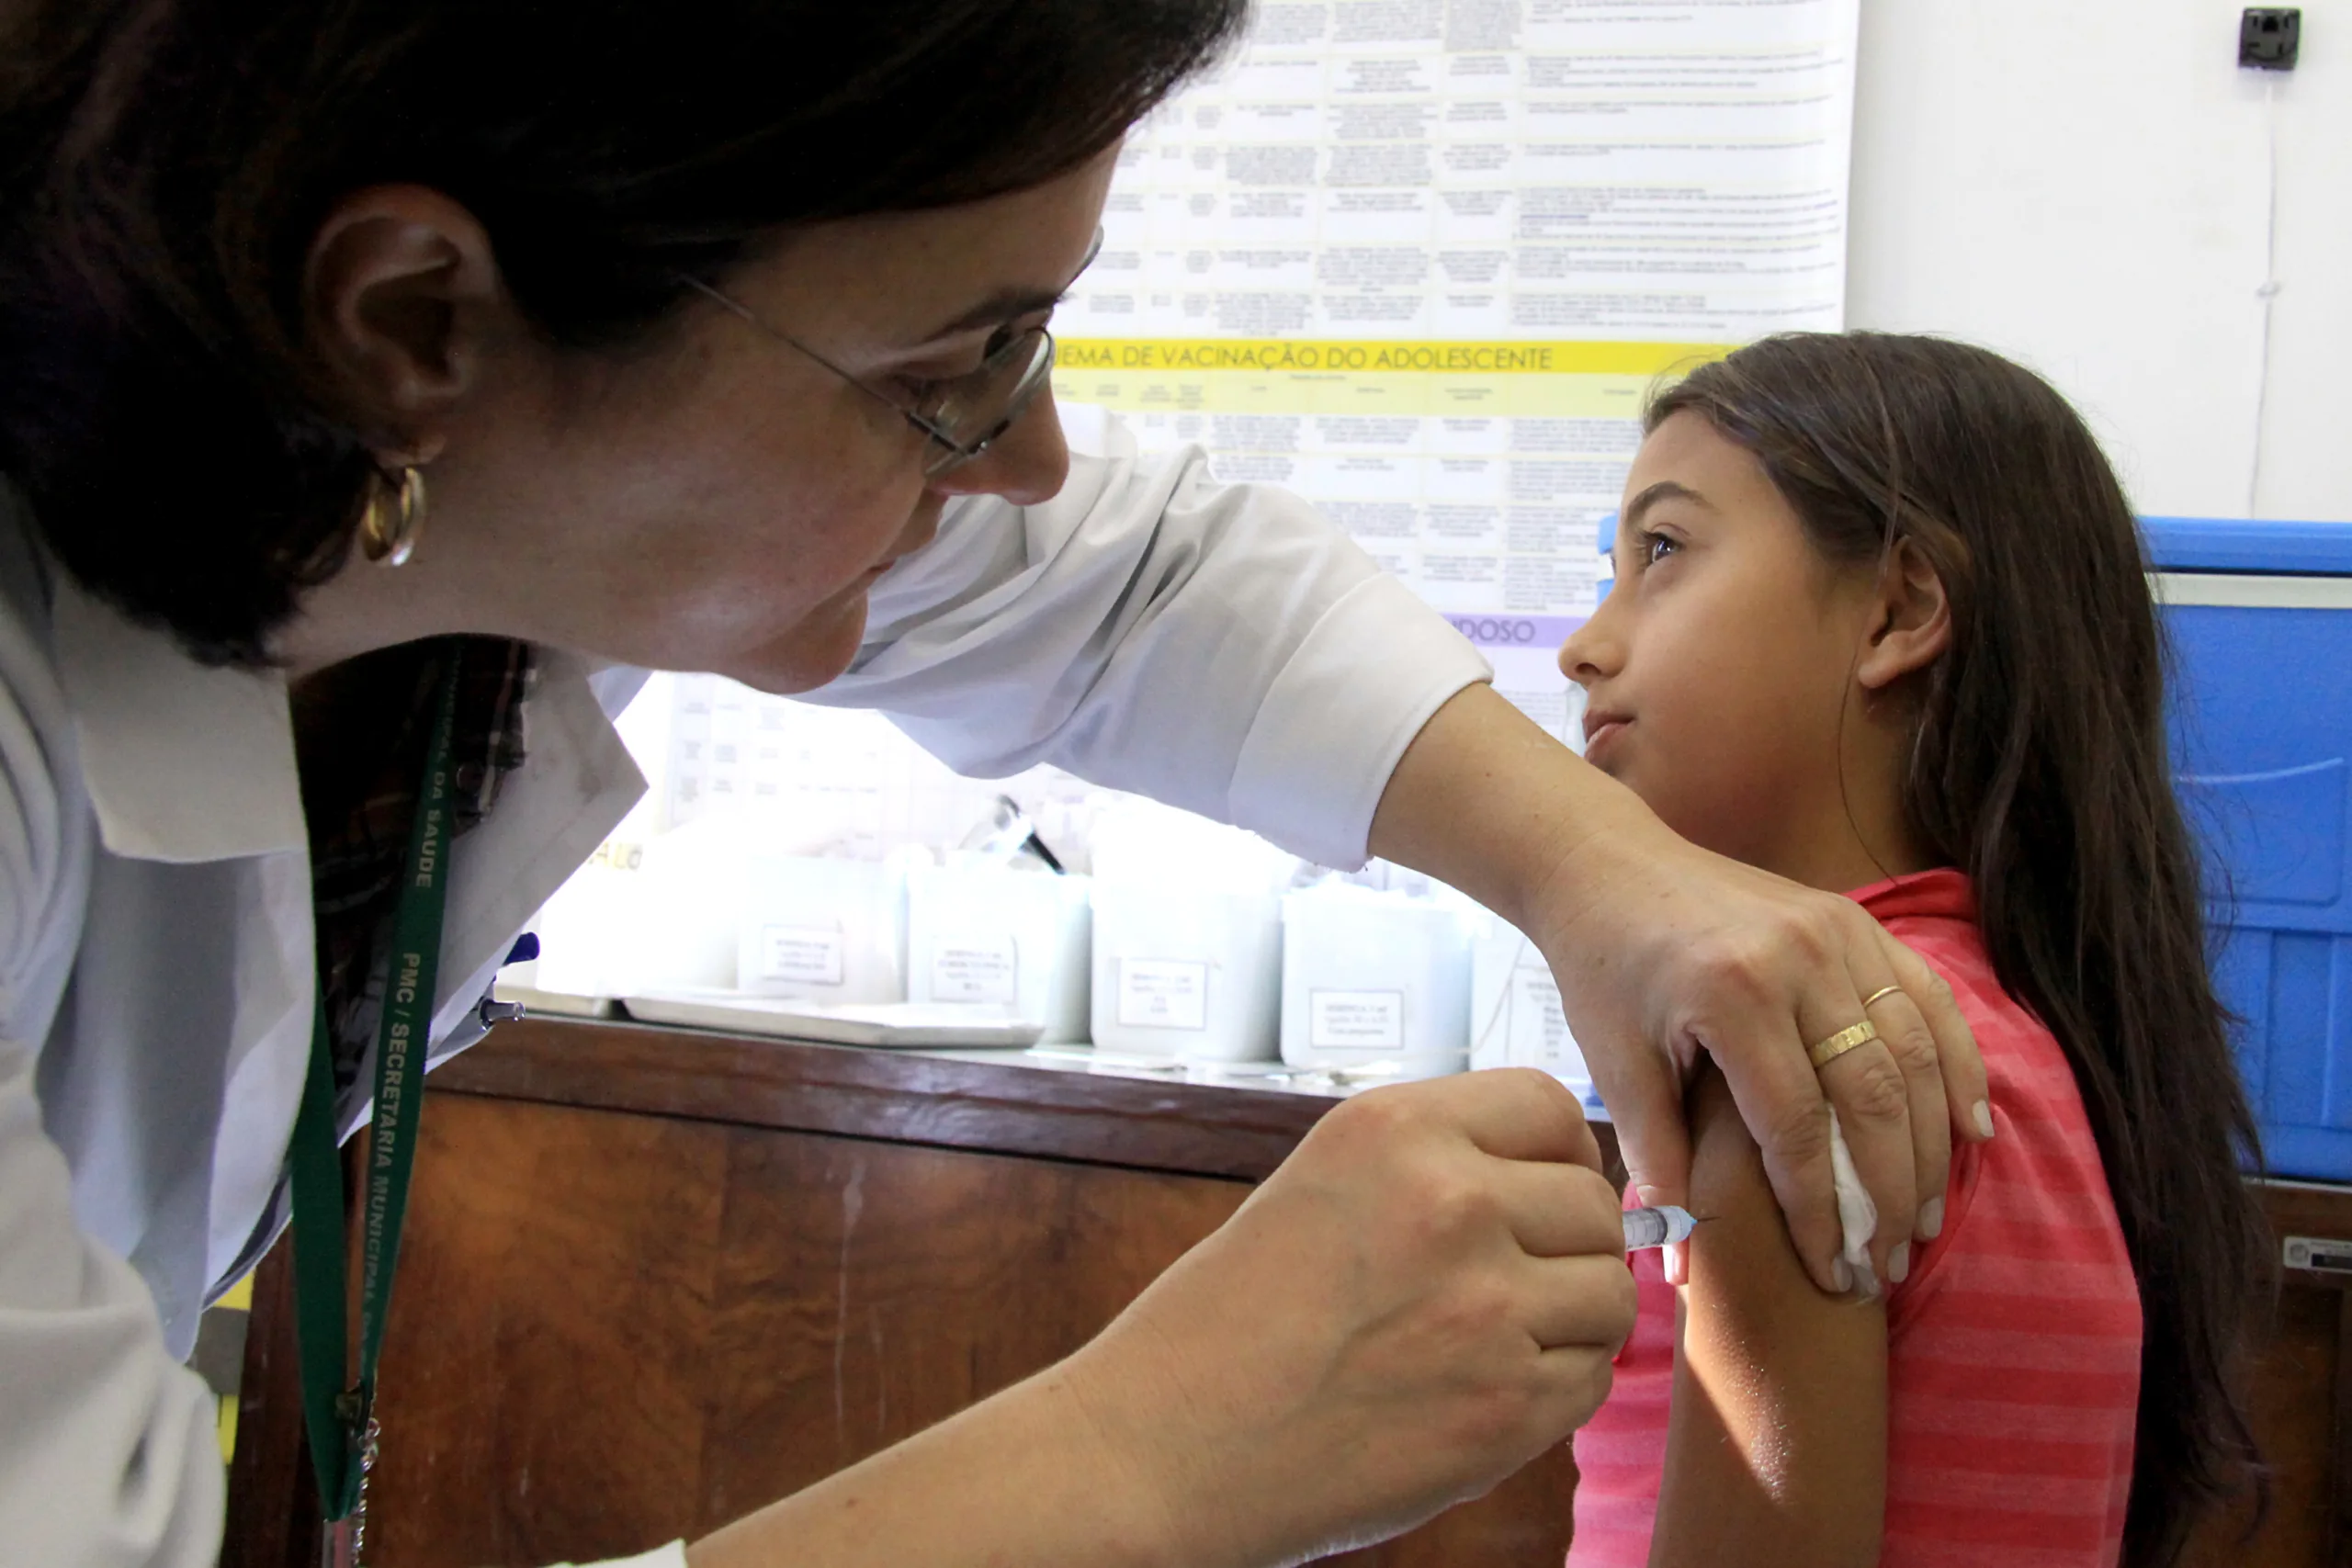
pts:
pixel 1222 647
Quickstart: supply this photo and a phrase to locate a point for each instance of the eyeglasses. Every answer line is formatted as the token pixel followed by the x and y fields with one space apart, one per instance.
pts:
pixel 962 415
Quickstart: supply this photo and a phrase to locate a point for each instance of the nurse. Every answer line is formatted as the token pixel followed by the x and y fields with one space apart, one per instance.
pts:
pixel 382 381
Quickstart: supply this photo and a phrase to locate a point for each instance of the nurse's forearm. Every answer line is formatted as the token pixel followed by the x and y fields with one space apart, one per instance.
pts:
pixel 1487 802
pixel 1024 1480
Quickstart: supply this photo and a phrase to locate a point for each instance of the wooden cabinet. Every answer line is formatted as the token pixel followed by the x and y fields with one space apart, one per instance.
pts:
pixel 2302 1402
pixel 652 1280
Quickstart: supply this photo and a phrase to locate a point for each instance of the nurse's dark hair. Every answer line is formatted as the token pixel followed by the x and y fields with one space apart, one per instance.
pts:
pixel 164 164
pixel 2040 768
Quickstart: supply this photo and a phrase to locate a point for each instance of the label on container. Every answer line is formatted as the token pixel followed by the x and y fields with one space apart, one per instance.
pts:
pixel 1358 1019
pixel 1163 993
pixel 807 955
pixel 618 854
pixel 1554 1048
pixel 975 968
pixel 2322 1255
pixel 1539 1033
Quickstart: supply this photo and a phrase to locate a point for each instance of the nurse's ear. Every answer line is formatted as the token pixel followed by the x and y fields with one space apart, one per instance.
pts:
pixel 1909 623
pixel 400 296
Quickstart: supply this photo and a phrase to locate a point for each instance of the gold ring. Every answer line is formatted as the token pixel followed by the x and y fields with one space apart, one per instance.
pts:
pixel 1845 1039
pixel 1879 996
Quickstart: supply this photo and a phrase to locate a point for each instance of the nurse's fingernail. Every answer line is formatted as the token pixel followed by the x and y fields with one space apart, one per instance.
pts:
pixel 1932 1219
pixel 1865 1282
pixel 1841 1274
pixel 1898 1263
pixel 1984 1119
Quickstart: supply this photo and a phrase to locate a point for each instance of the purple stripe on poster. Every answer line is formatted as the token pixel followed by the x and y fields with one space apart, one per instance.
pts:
pixel 1515 631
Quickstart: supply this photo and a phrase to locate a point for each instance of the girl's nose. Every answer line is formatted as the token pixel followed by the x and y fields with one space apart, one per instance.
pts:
pixel 1589 652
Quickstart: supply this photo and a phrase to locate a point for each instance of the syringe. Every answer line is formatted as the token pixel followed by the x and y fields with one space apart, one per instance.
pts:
pixel 1661 1226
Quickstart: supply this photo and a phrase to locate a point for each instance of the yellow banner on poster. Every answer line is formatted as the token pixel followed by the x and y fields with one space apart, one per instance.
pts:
pixel 1379 358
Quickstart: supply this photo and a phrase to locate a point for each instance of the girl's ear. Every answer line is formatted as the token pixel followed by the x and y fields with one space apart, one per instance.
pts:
pixel 1910 624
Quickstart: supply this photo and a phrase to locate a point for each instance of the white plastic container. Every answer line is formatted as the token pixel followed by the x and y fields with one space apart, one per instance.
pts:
pixel 641 917
pixel 1186 973
pixel 1516 1019
pixel 589 944
pixel 1374 979
pixel 1188 937
pixel 828 931
pixel 989 934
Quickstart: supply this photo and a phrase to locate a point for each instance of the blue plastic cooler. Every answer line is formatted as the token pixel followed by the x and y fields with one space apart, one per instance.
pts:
pixel 2260 617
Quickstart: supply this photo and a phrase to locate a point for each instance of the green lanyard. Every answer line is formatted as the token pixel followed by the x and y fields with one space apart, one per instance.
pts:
pixel 337 1408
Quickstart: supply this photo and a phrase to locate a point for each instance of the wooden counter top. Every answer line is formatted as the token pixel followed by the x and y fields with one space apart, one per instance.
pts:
pixel 1014 1106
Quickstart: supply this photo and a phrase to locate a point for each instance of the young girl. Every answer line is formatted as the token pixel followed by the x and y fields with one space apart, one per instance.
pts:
pixel 1881 624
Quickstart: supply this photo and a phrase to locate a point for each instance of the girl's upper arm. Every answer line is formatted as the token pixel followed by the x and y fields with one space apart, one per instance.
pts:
pixel 1777 1449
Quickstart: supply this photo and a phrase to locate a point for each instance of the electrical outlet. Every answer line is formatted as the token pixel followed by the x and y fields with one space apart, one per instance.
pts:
pixel 2269 37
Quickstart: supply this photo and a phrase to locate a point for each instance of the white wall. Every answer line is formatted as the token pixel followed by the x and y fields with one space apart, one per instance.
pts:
pixel 2083 185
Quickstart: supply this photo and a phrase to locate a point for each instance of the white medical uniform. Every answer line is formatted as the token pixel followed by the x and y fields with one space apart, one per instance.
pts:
pixel 1222 647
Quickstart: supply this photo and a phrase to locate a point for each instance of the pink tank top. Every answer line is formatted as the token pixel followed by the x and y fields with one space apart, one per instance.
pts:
pixel 2013 1350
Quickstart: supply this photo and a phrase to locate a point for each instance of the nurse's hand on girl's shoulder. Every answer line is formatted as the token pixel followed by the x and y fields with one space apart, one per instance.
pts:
pixel 1666 951
pixel 1426 1296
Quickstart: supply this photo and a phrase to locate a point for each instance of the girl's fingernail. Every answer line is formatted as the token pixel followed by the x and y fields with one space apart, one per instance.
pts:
pixel 1984 1119
pixel 1898 1263
pixel 1932 1219
pixel 1841 1274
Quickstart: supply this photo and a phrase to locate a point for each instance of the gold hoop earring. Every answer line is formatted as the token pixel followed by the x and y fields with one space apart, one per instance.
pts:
pixel 393 516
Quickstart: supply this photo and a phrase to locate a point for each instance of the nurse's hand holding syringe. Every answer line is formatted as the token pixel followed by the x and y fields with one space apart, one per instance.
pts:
pixel 1425 1296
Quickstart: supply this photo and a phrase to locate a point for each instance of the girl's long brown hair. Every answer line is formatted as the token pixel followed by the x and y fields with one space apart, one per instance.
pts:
pixel 2039 769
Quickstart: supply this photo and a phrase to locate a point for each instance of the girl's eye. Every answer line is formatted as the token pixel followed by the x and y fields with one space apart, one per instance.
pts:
pixel 1656 548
